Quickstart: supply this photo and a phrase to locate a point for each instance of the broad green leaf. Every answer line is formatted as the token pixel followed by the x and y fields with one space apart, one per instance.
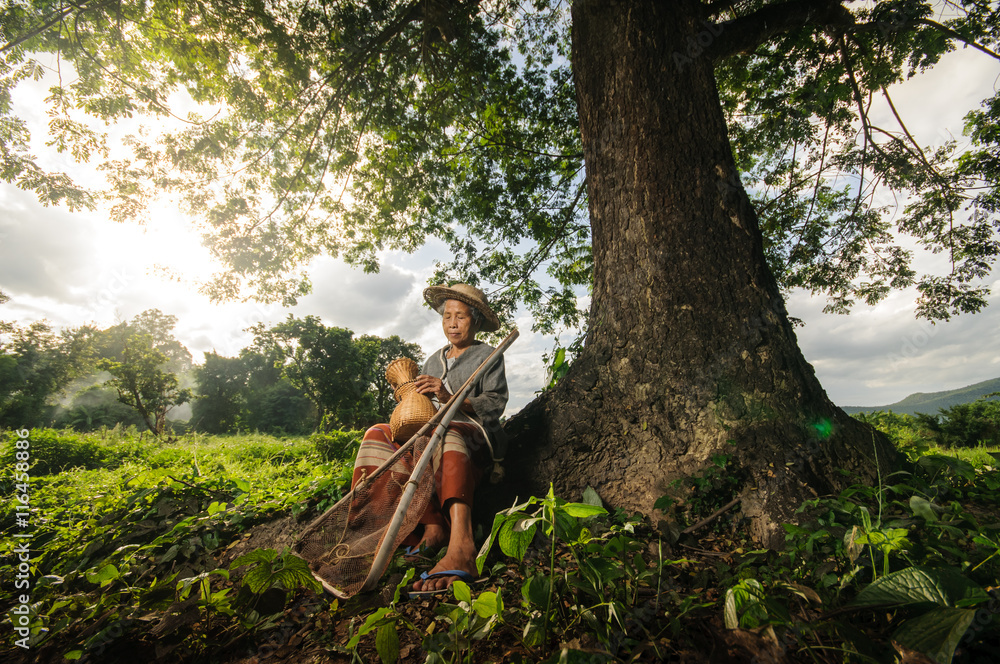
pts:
pixel 536 590
pixel 738 598
pixel 461 590
pixel 936 633
pixel 387 644
pixel 662 503
pixel 582 510
pixel 923 508
pixel 295 573
pixel 104 576
pixel 170 554
pixel 606 570
pixel 591 497
pixel 915 585
pixel 514 541
pixel 255 556
pixel 488 604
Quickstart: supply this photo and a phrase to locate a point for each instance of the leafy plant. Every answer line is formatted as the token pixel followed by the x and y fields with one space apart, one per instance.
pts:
pixel 468 621
pixel 940 600
pixel 384 623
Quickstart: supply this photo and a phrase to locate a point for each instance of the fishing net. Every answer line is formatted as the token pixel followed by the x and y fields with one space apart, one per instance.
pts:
pixel 341 544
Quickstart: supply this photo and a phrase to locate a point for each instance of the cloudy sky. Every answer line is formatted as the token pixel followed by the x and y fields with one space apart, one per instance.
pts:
pixel 75 268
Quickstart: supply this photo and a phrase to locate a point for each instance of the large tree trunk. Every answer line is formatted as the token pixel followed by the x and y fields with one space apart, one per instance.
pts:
pixel 689 351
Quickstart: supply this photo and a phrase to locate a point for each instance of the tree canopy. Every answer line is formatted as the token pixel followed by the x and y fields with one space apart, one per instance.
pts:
pixel 143 358
pixel 353 127
pixel 35 364
pixel 325 364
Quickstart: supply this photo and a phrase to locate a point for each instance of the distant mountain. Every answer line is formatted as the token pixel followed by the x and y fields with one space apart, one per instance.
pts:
pixel 931 402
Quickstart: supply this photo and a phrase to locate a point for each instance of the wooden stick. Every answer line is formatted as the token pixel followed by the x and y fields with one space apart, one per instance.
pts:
pixel 691 529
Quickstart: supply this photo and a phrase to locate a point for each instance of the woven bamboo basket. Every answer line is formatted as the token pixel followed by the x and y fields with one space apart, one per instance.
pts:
pixel 414 409
pixel 400 371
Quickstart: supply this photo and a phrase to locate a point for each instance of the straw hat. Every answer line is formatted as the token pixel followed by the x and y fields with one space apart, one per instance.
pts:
pixel 470 295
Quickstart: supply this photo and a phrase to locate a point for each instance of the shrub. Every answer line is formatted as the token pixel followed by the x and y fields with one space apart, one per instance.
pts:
pixel 966 424
pixel 910 434
pixel 52 452
pixel 337 445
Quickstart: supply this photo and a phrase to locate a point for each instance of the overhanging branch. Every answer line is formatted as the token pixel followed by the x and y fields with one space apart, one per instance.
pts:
pixel 746 33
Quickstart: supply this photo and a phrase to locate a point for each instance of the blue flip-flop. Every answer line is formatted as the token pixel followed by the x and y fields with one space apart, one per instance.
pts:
pixel 461 574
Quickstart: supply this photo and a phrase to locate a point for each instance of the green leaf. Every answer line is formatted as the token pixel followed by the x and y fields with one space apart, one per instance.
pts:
pixel 534 632
pixel 488 604
pixel 295 573
pixel 571 656
pixel 582 510
pixel 915 585
pixel 591 497
pixel 105 575
pixel 936 633
pixel 514 538
pixel 387 644
pixel 170 554
pixel 404 582
pixel 923 508
pixel 606 570
pixel 536 590
pixel 255 556
pixel 73 654
pixel 374 621
pixel 461 590
pixel 662 503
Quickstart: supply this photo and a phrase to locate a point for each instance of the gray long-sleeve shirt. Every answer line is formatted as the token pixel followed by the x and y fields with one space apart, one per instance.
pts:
pixel 489 393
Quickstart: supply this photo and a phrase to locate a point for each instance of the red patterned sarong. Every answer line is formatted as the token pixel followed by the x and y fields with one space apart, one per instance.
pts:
pixel 458 465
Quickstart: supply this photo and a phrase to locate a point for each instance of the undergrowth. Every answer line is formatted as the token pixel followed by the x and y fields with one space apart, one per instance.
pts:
pixel 134 555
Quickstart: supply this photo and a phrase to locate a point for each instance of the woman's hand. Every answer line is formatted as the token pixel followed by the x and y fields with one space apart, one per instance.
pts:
pixel 431 386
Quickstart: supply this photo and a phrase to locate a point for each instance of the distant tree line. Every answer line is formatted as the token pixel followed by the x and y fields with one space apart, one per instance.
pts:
pixel 962 425
pixel 296 377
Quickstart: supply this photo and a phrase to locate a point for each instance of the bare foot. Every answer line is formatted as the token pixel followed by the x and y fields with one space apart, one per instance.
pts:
pixel 454 558
pixel 434 538
pixel 461 553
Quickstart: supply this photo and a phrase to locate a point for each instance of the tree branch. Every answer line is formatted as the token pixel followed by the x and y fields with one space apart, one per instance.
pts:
pixel 954 35
pixel 748 32
pixel 57 17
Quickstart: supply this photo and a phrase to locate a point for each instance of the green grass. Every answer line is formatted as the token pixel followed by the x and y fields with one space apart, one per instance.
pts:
pixel 979 457
pixel 143 485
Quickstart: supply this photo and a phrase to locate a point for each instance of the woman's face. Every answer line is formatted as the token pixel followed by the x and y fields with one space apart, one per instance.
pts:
pixel 457 323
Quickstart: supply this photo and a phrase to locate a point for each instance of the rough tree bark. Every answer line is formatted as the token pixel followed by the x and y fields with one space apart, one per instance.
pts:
pixel 689 351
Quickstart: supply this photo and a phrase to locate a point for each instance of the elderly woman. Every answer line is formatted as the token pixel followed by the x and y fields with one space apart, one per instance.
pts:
pixel 474 440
